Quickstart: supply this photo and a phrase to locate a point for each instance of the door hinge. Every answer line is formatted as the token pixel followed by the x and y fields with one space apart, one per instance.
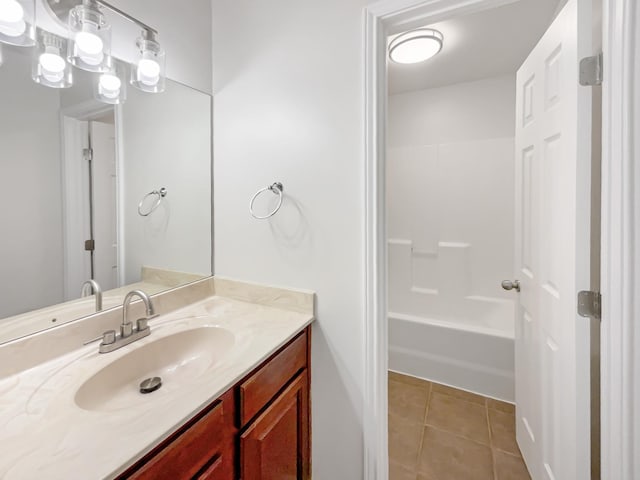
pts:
pixel 89 245
pixel 591 71
pixel 87 153
pixel 589 304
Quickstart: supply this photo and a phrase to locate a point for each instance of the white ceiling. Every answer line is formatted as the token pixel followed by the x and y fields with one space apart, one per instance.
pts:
pixel 486 44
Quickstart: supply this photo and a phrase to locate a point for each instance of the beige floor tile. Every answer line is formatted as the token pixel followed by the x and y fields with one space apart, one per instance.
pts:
pixel 446 456
pixel 398 377
pixel 503 431
pixel 459 417
pixel 501 406
pixel 510 467
pixel 461 394
pixel 404 442
pixel 399 472
pixel 408 401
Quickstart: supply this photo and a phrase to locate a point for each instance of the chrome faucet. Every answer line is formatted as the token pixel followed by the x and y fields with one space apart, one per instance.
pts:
pixel 128 333
pixel 89 287
pixel 126 328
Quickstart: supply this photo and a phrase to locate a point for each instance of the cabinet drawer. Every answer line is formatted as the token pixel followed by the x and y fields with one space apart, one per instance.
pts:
pixel 262 386
pixel 190 452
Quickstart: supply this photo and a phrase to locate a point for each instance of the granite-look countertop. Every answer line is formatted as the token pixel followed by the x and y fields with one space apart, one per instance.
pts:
pixel 45 434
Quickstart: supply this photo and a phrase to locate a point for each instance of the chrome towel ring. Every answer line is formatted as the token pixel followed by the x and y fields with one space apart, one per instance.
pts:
pixel 275 188
pixel 160 193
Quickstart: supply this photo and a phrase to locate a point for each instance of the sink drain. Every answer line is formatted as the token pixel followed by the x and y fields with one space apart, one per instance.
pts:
pixel 150 385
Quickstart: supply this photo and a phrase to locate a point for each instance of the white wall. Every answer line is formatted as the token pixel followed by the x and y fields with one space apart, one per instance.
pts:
pixel 288 106
pixel 450 184
pixel 167 143
pixel 30 194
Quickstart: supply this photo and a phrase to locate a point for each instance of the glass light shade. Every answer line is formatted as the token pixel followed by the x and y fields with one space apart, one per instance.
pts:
pixel 49 65
pixel 89 38
pixel 415 46
pixel 110 87
pixel 148 72
pixel 17 22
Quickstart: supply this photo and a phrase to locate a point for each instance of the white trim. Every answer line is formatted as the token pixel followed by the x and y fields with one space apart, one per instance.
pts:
pixel 620 355
pixel 381 19
pixel 120 200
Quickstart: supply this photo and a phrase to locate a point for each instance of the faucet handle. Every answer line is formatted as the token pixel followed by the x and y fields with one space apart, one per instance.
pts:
pixel 126 329
pixel 142 324
pixel 107 338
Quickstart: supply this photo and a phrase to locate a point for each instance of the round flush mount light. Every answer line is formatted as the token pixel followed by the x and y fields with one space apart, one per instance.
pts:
pixel 415 46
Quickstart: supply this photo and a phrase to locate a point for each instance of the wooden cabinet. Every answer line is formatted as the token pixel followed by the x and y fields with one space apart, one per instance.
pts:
pixel 258 430
pixel 276 444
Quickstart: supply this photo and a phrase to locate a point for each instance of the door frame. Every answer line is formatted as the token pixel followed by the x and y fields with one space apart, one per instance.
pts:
pixel 620 281
pixel 620 224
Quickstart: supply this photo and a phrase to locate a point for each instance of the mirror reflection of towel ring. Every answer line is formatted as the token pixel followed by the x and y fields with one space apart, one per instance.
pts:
pixel 275 188
pixel 160 193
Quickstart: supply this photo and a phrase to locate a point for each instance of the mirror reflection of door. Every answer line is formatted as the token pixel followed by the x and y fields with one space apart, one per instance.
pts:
pixel 103 200
pixel 90 198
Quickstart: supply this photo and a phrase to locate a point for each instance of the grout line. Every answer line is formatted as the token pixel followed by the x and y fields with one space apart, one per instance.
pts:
pixel 424 428
pixel 493 457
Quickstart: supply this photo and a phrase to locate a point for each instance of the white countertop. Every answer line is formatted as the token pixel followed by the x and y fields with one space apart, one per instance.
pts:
pixel 44 434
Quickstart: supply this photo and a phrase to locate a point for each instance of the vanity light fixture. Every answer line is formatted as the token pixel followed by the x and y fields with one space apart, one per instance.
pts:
pixel 89 38
pixel 17 22
pixel 415 46
pixel 49 66
pixel 110 87
pixel 148 72
pixel 88 46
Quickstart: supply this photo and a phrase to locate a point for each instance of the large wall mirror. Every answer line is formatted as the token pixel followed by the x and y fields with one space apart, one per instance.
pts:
pixel 117 194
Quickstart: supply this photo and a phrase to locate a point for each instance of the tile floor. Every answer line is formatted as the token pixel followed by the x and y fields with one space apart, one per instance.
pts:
pixel 441 433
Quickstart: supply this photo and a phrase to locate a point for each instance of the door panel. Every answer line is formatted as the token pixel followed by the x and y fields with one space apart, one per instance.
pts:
pixel 552 250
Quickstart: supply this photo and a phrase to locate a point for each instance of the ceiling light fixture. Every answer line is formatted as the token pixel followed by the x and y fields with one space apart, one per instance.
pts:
pixel 415 46
pixel 17 22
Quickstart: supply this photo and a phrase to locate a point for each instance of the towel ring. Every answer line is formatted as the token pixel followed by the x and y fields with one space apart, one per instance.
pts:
pixel 277 189
pixel 160 193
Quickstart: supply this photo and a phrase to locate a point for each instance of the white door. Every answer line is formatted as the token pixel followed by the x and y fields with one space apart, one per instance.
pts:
pixel 553 158
pixel 104 205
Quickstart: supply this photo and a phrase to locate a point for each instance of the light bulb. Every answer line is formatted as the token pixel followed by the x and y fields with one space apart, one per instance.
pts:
pixel 53 66
pixel 148 72
pixel 89 47
pixel 109 86
pixel 12 22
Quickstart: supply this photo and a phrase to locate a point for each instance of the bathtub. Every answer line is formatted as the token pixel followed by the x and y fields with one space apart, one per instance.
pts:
pixel 469 345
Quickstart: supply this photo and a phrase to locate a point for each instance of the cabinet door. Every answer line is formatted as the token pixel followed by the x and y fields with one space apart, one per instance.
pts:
pixel 276 445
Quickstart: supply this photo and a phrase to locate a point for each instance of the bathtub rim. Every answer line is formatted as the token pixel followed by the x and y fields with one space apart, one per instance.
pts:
pixel 464 327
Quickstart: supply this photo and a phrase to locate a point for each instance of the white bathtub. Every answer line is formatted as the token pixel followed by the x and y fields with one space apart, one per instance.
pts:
pixel 471 346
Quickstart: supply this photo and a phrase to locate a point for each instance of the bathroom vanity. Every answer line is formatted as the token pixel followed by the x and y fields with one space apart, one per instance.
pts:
pixel 234 359
pixel 260 425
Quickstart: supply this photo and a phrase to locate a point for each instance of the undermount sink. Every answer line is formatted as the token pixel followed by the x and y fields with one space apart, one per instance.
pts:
pixel 178 359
